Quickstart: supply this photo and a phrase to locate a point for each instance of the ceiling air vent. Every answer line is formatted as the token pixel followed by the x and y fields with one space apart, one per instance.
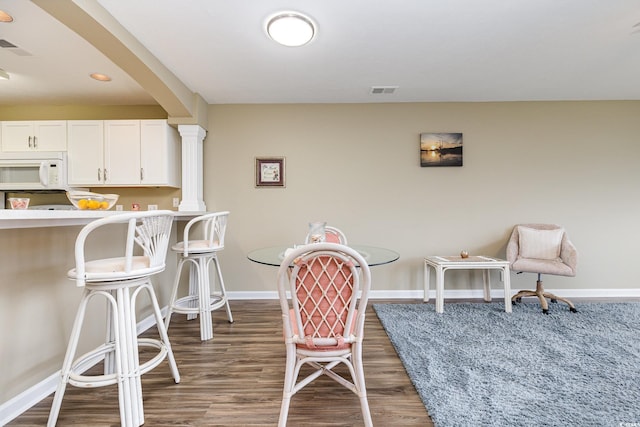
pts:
pixel 382 90
pixel 6 43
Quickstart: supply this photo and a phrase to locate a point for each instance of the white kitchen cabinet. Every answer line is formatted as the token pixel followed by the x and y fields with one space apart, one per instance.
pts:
pixel 160 153
pixel 41 135
pixel 85 152
pixel 123 153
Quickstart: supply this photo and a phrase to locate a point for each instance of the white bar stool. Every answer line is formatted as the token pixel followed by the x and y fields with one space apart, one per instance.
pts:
pixel 119 280
pixel 200 252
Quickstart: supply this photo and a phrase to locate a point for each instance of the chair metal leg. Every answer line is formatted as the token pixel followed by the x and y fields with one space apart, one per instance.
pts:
pixel 162 331
pixel 68 360
pixel 174 293
pixel 542 297
pixel 194 285
pixel 204 300
pixel 222 289
pixel 359 382
pixel 289 384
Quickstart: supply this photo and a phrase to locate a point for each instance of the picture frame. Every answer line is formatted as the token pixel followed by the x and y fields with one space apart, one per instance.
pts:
pixel 440 149
pixel 270 172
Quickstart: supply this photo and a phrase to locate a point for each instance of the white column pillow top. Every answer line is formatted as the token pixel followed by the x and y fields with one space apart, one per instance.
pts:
pixel 540 244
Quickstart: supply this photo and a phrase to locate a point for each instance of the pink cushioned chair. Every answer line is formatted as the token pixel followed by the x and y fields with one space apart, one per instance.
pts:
pixel 542 249
pixel 323 318
pixel 332 235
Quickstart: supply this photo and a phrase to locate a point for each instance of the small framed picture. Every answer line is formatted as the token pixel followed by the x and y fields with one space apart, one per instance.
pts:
pixel 440 149
pixel 269 171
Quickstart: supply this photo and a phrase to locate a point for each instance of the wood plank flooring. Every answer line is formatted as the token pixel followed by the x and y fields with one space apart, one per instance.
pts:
pixel 236 380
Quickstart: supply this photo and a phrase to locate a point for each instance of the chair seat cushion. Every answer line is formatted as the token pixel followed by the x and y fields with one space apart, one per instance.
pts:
pixel 540 244
pixel 294 328
pixel 197 246
pixel 544 266
pixel 114 268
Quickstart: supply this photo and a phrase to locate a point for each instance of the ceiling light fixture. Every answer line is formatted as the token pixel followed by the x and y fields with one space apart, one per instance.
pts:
pixel 4 75
pixel 100 77
pixel 291 29
pixel 5 17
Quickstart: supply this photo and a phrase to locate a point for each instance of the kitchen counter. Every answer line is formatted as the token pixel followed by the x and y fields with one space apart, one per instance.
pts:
pixel 28 218
pixel 38 302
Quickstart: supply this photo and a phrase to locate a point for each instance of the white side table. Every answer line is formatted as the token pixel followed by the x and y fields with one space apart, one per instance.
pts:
pixel 443 263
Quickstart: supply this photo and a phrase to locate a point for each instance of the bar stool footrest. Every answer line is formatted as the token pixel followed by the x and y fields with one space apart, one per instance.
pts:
pixel 89 359
pixel 189 304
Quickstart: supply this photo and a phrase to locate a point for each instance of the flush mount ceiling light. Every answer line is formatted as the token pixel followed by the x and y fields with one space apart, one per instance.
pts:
pixel 100 77
pixel 5 17
pixel 291 29
pixel 4 75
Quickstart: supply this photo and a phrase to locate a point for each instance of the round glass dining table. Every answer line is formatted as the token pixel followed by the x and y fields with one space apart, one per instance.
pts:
pixel 274 255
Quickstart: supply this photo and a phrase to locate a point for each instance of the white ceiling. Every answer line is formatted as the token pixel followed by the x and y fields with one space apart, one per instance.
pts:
pixel 433 50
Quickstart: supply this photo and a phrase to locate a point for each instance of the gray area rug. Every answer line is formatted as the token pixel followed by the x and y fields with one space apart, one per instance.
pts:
pixel 475 365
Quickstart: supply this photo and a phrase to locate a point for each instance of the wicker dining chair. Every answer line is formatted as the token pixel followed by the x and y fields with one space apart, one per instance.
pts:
pixel 323 318
pixel 332 235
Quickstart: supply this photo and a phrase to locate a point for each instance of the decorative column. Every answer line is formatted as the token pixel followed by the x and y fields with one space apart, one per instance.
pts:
pixel 192 159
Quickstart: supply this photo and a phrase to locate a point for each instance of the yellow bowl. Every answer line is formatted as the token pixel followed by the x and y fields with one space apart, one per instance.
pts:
pixel 85 200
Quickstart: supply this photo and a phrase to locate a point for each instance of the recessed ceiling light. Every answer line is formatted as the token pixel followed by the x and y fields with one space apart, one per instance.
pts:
pixel 291 29
pixel 100 77
pixel 5 17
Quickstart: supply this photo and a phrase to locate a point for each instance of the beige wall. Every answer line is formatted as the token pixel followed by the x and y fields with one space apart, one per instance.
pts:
pixel 357 167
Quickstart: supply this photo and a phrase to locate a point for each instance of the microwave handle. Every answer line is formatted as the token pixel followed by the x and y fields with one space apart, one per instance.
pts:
pixel 44 174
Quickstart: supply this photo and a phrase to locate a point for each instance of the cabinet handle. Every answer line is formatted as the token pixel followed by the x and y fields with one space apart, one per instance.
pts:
pixel 35 142
pixel 29 142
pixel 141 174
pixel 105 175
pixel 99 174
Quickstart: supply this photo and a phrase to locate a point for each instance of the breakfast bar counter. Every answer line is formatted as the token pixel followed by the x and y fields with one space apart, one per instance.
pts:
pixel 38 301
pixel 27 218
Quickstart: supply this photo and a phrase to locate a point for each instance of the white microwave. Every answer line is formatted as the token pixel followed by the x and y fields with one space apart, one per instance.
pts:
pixel 33 171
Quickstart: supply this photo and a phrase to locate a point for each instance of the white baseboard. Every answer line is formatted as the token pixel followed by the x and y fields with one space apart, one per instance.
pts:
pixel 30 397
pixel 460 294
pixel 16 406
pixel 25 400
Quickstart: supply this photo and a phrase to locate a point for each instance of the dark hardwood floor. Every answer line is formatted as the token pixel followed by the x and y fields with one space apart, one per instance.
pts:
pixel 236 380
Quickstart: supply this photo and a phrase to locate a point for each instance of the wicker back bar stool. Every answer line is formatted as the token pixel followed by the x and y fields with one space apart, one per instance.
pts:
pixel 119 280
pixel 203 239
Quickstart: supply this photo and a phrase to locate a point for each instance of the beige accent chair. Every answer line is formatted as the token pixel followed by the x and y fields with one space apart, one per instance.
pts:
pixel 542 249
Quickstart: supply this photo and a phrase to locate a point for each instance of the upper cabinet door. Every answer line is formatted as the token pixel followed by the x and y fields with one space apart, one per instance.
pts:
pixel 17 136
pixel 44 135
pixel 159 154
pixel 85 152
pixel 122 152
pixel 51 135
